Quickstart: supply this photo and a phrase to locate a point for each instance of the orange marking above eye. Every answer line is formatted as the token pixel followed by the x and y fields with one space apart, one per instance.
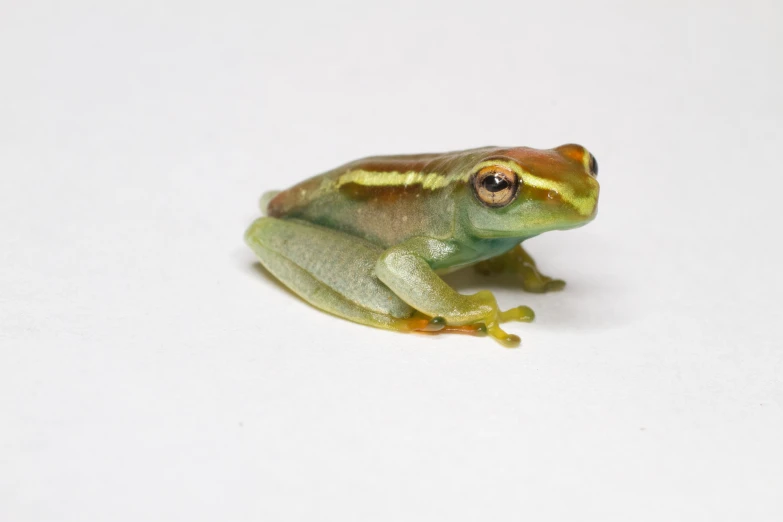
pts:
pixel 572 151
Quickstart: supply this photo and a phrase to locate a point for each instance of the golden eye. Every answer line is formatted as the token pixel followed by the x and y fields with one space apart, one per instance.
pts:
pixel 495 186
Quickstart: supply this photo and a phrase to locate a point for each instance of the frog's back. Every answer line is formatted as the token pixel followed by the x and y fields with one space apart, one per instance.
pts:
pixel 291 201
pixel 384 199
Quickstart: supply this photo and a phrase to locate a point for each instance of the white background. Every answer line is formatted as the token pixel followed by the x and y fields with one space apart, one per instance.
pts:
pixel 150 371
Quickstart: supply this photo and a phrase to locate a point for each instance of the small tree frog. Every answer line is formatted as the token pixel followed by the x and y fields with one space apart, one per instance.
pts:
pixel 367 240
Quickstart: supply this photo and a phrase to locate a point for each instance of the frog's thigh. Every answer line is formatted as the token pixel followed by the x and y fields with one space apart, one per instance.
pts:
pixel 329 269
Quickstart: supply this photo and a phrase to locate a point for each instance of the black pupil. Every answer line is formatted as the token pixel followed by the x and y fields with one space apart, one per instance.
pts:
pixel 495 183
pixel 593 165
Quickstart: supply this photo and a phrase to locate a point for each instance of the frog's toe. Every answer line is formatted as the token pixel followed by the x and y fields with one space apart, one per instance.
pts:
pixel 554 285
pixel 436 324
pixel 506 339
pixel 510 341
pixel 544 285
pixel 524 314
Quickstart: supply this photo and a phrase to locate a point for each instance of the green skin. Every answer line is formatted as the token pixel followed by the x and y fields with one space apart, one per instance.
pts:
pixel 366 241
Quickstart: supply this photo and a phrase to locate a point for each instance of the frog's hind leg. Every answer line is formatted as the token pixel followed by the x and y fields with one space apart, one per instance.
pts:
pixel 332 271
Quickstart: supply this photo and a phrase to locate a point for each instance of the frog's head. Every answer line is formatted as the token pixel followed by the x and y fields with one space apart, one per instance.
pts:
pixel 522 192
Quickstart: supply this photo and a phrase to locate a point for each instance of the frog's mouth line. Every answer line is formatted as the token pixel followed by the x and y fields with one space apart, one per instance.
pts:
pixel 534 223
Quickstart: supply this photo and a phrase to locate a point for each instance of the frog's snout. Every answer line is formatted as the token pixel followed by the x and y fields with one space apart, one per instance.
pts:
pixel 592 198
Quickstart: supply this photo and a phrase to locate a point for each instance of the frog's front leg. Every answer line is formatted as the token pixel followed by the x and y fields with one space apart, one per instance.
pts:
pixel 518 261
pixel 406 269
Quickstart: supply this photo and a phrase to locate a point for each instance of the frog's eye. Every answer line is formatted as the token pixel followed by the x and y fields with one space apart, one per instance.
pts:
pixel 495 186
pixel 593 164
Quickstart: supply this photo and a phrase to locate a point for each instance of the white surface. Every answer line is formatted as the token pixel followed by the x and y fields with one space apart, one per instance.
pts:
pixel 149 372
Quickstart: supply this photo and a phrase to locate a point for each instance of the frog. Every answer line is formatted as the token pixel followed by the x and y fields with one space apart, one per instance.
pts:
pixel 369 241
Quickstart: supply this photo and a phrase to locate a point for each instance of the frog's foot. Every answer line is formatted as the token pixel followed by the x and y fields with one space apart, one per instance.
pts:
pixel 437 325
pixel 523 314
pixel 492 317
pixel 522 264
pixel 489 326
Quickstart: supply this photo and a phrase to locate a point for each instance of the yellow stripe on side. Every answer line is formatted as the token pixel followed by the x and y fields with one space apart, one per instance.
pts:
pixel 367 178
pixel 433 180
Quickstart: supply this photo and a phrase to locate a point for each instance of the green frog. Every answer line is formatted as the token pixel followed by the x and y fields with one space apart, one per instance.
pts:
pixel 367 241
